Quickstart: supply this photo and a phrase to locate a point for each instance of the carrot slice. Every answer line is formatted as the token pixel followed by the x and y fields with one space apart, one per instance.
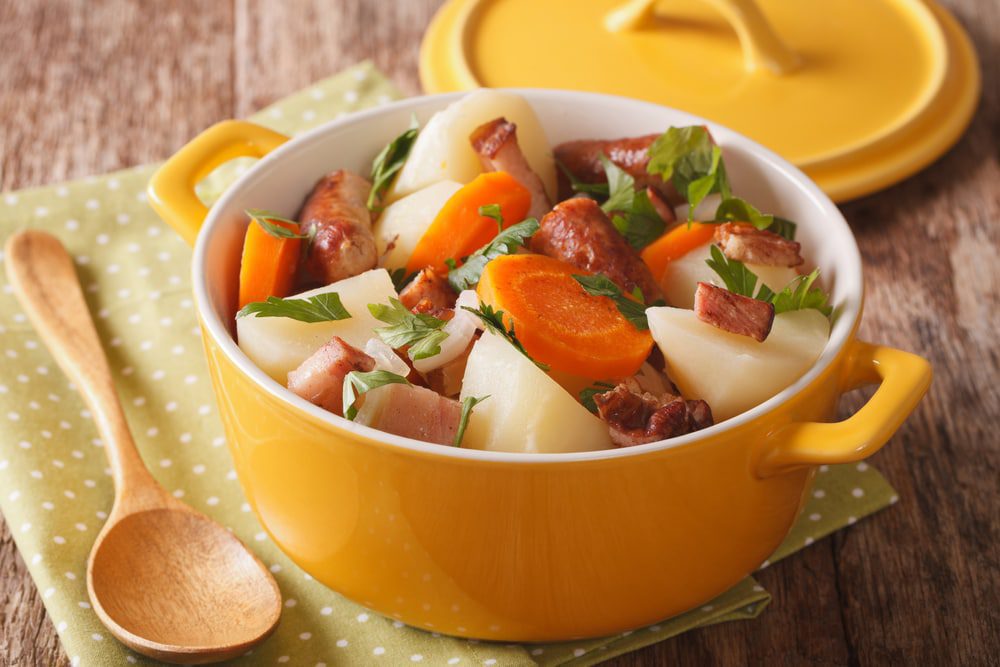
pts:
pixel 458 230
pixel 268 264
pixel 676 243
pixel 558 322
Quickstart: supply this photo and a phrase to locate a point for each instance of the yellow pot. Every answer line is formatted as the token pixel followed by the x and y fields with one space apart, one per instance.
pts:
pixel 523 547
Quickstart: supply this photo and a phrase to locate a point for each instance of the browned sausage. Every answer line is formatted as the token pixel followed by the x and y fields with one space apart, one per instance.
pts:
pixel 496 144
pixel 578 232
pixel 344 245
pixel 582 158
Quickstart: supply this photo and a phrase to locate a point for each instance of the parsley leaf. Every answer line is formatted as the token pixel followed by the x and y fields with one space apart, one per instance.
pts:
pixel 506 242
pixel 324 307
pixel 390 161
pixel 686 157
pixel 493 321
pixel 357 383
pixel 783 227
pixel 587 395
pixel 468 403
pixel 420 331
pixel 594 189
pixel 737 277
pixel 492 211
pixel 266 220
pixel 735 209
pixel 633 311
pixel 798 294
pixel 631 211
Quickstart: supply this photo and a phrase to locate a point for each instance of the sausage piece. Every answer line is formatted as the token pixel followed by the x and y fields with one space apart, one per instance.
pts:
pixel 582 158
pixel 344 245
pixel 496 144
pixel 577 231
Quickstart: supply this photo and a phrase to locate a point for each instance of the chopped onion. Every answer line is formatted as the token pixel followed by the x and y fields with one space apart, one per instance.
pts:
pixel 651 380
pixel 385 358
pixel 460 329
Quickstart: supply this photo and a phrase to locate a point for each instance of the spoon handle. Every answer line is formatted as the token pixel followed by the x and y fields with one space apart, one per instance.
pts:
pixel 44 281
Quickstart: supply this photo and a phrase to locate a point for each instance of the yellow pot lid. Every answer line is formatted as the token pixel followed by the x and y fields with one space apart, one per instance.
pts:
pixel 858 93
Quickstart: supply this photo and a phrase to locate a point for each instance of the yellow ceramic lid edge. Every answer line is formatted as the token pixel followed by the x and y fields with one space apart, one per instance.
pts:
pixel 901 158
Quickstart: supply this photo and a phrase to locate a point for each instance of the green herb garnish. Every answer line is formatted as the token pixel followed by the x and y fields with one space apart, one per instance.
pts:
pixel 735 209
pixel 506 242
pixel 783 227
pixel 593 189
pixel 420 331
pixel 324 307
pixel 634 309
pixel 631 211
pixel 357 383
pixel 587 395
pixel 390 161
pixel 266 220
pixel 468 403
pixel 686 157
pixel 493 321
pixel 737 277
pixel 798 294
pixel 492 211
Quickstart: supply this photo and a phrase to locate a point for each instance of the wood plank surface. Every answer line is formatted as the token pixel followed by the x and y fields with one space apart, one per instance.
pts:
pixel 89 87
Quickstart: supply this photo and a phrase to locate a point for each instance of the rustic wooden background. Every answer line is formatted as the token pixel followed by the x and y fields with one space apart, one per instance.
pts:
pixel 88 87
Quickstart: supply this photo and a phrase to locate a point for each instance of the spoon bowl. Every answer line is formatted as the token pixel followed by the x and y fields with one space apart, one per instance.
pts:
pixel 166 580
pixel 214 600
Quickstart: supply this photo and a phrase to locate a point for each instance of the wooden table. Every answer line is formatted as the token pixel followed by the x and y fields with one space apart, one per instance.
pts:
pixel 96 86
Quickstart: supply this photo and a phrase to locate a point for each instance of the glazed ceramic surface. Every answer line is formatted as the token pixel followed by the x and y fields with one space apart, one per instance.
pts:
pixel 525 547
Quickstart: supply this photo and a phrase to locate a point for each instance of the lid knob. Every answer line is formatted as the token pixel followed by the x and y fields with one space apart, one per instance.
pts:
pixel 762 48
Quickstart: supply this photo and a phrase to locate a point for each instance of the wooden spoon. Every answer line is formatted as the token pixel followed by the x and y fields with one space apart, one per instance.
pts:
pixel 166 580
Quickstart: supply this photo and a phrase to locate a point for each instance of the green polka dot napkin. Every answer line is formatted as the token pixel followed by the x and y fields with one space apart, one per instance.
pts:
pixel 55 488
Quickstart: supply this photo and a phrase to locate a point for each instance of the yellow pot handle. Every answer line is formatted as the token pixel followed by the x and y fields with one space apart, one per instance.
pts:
pixel 903 380
pixel 171 189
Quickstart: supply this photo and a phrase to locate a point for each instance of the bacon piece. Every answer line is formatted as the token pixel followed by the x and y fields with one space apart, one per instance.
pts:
pixel 582 159
pixel 733 312
pixel 320 378
pixel 344 244
pixel 412 412
pixel 578 232
pixel 429 293
pixel 638 418
pixel 496 144
pixel 746 243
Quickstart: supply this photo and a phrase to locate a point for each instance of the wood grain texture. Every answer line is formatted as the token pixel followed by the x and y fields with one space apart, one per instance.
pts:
pixel 916 584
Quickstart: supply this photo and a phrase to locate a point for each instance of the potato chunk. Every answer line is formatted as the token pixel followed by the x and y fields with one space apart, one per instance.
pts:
pixel 527 411
pixel 734 373
pixel 403 223
pixel 279 345
pixel 443 151
pixel 681 277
